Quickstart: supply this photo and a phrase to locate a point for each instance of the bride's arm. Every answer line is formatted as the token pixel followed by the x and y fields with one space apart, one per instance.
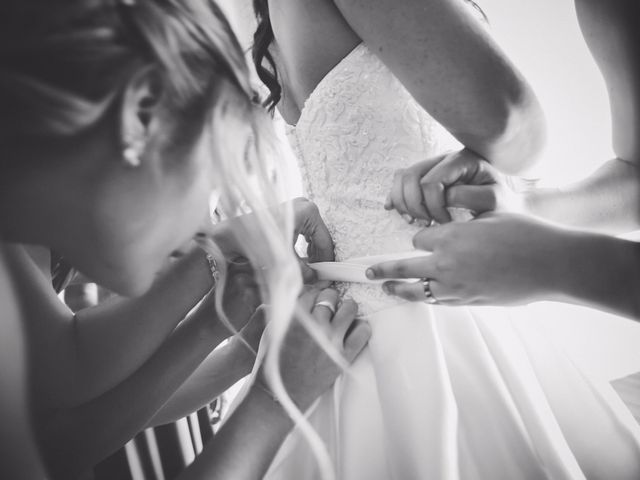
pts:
pixel 444 56
pixel 608 200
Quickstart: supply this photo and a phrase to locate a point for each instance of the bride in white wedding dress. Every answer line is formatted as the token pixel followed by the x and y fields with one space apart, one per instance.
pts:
pixel 441 392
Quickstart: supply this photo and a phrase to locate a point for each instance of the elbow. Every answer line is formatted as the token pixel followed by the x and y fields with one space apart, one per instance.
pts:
pixel 515 133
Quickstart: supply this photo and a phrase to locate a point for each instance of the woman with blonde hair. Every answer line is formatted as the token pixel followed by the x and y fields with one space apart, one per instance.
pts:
pixel 119 120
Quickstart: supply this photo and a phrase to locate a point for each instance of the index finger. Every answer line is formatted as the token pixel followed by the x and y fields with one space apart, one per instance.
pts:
pixel 320 247
pixel 417 267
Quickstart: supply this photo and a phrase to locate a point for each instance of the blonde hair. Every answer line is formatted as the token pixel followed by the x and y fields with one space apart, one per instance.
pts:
pixel 63 64
pixel 62 67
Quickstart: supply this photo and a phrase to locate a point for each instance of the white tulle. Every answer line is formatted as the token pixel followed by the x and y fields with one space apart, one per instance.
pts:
pixel 444 392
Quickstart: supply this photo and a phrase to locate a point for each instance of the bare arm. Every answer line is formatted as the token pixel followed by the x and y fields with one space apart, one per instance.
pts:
pixel 74 439
pixel 523 260
pixel 221 369
pixel 217 373
pixel 444 56
pixel 19 456
pixel 609 199
pixel 245 446
pixel 116 337
pixel 77 358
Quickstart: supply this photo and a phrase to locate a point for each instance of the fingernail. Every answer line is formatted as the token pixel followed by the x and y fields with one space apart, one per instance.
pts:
pixel 371 275
pixel 386 289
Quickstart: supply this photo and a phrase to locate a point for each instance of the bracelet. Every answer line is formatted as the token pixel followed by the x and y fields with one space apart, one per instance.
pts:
pixel 213 268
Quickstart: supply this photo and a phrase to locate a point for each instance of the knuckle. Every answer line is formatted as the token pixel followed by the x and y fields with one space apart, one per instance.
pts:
pixel 349 308
pixel 444 264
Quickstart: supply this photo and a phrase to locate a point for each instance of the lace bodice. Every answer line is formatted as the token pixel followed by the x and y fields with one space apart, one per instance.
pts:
pixel 356 129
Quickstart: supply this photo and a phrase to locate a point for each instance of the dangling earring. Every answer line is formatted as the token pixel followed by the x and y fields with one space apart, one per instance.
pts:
pixel 132 152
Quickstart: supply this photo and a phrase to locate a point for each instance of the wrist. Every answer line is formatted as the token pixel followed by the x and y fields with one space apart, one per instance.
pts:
pixel 267 401
pixel 535 201
pixel 601 271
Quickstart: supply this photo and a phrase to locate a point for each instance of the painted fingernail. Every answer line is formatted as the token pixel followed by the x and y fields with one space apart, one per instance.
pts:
pixel 371 275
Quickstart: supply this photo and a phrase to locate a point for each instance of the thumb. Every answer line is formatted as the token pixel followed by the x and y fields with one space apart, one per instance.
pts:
pixel 309 275
pixel 478 198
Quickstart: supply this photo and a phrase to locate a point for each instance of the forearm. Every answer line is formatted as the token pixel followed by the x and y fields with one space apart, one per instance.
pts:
pixel 114 339
pixel 599 271
pixel 515 143
pixel 76 438
pixel 245 446
pixel 606 201
pixel 221 369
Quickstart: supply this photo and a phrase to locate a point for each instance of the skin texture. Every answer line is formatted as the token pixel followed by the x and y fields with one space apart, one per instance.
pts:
pixel 560 265
pixel 20 458
pixel 87 362
pixel 260 424
pixel 552 263
pixel 452 67
pixel 117 224
pixel 130 219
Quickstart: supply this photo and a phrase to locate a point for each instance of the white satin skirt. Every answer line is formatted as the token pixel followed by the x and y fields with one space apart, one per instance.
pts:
pixel 477 393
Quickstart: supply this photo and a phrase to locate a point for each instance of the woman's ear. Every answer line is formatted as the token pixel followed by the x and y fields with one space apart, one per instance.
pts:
pixel 138 111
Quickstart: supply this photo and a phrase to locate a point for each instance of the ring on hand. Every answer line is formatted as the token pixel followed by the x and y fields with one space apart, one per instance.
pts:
pixel 428 294
pixel 326 304
pixel 213 268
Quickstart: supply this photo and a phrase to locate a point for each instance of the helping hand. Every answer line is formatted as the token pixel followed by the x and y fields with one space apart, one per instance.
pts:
pixel 459 179
pixel 307 222
pixel 307 370
pixel 496 259
pixel 241 297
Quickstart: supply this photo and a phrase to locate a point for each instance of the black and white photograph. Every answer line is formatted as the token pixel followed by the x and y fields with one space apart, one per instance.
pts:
pixel 319 240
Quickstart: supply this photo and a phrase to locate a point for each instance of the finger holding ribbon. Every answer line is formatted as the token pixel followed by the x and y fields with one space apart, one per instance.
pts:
pixel 425 286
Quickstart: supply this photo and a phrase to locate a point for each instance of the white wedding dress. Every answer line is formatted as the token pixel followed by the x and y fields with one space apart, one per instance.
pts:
pixel 443 392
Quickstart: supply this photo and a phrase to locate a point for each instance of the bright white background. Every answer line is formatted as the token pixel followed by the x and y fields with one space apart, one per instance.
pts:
pixel 543 39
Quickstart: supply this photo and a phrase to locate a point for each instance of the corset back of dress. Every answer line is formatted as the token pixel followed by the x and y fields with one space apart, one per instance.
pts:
pixel 356 129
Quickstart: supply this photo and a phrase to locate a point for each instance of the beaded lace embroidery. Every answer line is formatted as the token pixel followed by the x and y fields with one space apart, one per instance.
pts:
pixel 356 129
